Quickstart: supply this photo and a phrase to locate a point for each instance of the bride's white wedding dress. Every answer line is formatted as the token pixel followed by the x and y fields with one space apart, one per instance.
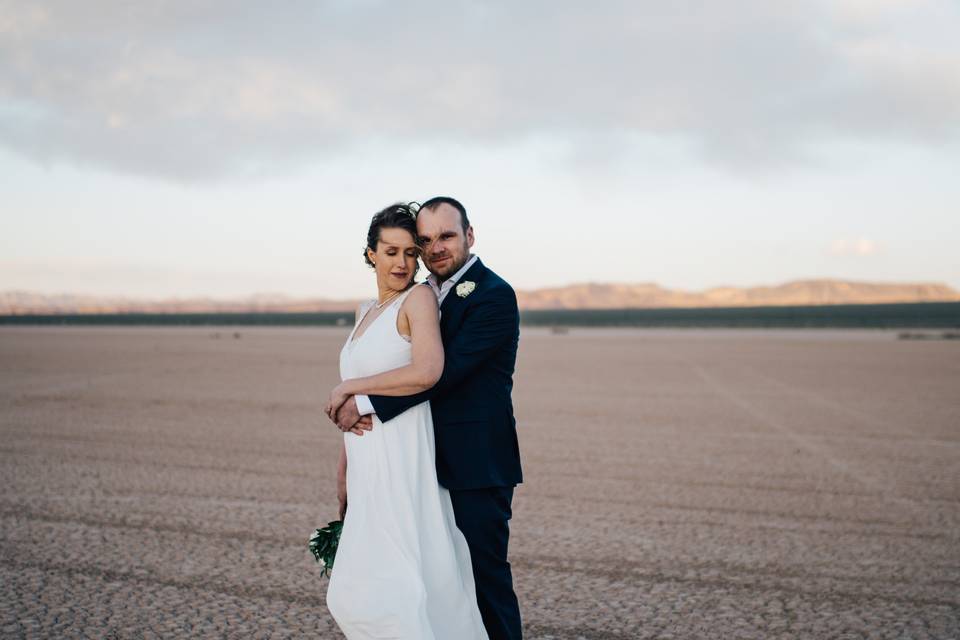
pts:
pixel 402 568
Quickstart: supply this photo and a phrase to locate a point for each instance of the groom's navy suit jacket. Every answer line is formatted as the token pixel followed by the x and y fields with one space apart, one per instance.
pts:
pixel 476 433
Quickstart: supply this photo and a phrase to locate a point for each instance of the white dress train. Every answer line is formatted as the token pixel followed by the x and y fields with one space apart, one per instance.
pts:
pixel 403 568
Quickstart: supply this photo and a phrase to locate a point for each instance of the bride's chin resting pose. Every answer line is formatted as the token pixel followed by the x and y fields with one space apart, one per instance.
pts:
pixel 402 568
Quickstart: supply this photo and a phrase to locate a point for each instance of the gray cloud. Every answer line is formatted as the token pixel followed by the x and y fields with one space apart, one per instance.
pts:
pixel 208 89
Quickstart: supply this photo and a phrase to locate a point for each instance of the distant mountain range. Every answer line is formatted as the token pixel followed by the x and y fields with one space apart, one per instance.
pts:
pixel 796 293
pixel 576 296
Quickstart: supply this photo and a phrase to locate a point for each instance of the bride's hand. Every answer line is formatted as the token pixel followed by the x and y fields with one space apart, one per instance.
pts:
pixel 337 397
pixel 327 409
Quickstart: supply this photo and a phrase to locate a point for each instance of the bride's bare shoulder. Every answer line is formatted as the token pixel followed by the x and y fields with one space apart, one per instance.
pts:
pixel 421 299
pixel 422 296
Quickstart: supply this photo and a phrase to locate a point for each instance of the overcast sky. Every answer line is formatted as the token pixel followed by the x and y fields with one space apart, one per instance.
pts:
pixel 227 148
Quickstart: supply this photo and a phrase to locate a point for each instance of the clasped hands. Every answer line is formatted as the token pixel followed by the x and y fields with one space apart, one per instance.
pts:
pixel 342 410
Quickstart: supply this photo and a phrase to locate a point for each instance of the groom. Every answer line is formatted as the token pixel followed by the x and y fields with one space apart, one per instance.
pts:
pixel 478 458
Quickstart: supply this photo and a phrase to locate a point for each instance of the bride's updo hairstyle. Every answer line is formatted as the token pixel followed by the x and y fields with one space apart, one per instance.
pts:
pixel 396 216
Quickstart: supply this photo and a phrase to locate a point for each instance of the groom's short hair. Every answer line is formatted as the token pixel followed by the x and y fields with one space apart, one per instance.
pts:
pixel 436 201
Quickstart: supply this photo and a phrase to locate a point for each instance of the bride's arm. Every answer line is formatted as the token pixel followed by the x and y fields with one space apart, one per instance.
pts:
pixel 426 365
pixel 342 479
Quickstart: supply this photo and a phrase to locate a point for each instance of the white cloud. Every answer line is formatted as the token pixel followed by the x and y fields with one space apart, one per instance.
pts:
pixel 858 247
pixel 200 90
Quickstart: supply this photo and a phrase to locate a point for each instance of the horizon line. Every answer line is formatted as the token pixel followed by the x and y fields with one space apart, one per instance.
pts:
pixel 581 283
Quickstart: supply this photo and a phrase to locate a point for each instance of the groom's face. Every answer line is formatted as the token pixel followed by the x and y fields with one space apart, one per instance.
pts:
pixel 446 246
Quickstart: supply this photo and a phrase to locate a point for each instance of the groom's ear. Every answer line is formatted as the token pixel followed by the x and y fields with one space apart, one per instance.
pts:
pixel 470 236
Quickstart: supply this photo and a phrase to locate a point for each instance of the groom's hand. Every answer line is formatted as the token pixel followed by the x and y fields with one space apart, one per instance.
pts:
pixel 365 423
pixel 349 419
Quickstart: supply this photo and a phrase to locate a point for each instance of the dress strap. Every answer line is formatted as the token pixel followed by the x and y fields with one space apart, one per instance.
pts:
pixel 364 310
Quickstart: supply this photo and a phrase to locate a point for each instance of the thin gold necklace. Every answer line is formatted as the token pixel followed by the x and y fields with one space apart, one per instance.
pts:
pixel 389 298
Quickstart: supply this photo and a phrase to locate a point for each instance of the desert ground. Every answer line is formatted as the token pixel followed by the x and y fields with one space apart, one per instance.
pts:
pixel 163 482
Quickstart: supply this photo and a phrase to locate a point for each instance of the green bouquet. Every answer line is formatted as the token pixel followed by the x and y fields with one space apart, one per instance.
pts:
pixel 323 545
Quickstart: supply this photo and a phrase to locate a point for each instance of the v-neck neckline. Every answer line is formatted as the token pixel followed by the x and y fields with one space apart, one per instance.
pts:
pixel 354 337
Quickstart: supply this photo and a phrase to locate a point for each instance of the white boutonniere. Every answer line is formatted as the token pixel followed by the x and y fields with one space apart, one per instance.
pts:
pixel 466 288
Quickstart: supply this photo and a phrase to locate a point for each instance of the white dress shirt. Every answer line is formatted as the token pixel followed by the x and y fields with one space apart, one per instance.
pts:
pixel 364 406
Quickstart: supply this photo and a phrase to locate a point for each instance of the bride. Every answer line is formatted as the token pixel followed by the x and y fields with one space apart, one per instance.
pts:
pixel 403 568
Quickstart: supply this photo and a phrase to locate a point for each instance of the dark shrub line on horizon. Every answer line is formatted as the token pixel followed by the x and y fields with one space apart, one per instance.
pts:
pixel 928 315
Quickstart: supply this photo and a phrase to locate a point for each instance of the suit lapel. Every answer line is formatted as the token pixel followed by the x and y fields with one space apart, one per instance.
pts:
pixel 453 305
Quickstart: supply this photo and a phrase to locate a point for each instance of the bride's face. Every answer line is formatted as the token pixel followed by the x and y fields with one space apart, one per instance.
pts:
pixel 395 259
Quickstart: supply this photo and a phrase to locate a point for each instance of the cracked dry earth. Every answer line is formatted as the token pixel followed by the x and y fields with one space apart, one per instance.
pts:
pixel 162 482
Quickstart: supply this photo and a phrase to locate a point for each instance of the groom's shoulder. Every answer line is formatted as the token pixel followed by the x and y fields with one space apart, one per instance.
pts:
pixel 496 285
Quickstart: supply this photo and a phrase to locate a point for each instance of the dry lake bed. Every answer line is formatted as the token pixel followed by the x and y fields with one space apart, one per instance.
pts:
pixel 162 482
